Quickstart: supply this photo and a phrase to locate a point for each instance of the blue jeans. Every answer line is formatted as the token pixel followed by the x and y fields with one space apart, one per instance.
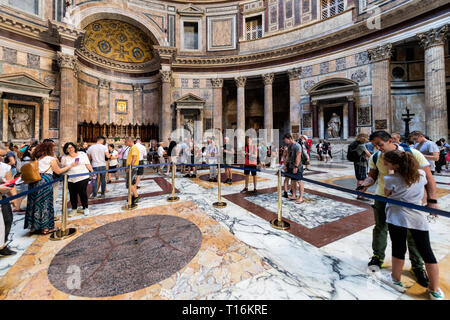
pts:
pixel 102 180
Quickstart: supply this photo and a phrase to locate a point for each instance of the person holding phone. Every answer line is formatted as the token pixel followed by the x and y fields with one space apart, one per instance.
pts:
pixel 77 185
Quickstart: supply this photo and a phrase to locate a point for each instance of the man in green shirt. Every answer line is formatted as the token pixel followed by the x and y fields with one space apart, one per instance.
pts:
pixel 384 143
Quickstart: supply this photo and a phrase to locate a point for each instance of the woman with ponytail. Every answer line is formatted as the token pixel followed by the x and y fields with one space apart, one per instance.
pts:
pixel 407 183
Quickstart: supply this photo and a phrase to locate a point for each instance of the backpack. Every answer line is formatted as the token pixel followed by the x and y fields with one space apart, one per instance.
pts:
pixel 30 172
pixel 352 154
pixel 376 154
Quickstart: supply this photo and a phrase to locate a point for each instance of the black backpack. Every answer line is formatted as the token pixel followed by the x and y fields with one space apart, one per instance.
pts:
pixel 352 154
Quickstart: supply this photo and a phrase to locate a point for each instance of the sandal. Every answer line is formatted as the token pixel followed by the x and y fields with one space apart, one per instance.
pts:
pixel 299 202
pixel 45 232
pixel 291 199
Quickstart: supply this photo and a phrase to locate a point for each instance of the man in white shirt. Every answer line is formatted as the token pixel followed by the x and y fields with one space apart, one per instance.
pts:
pixel 184 155
pixel 428 148
pixel 142 156
pixel 98 154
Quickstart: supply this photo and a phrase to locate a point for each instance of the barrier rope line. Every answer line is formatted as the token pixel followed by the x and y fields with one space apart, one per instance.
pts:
pixel 326 185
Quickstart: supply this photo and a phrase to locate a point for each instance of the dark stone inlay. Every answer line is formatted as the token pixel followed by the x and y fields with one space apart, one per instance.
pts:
pixel 125 256
pixel 235 176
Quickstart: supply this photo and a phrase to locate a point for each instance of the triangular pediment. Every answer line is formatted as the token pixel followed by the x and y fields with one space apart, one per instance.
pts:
pixel 190 98
pixel 191 10
pixel 24 81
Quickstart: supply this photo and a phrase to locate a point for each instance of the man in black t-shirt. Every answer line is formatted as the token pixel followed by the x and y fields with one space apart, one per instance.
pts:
pixel 171 152
pixel 325 146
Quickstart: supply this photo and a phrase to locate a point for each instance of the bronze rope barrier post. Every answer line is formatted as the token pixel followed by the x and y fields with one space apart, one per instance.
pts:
pixel 173 198
pixel 219 204
pixel 64 233
pixel 129 205
pixel 279 223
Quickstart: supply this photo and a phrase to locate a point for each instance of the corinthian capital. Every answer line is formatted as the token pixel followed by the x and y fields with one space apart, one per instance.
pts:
pixel 104 84
pixel 268 78
pixel 138 88
pixel 295 73
pixel 240 81
pixel 67 61
pixel 434 37
pixel 166 75
pixel 217 83
pixel 380 53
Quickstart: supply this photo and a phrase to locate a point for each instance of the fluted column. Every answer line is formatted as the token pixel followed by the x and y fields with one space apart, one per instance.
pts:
pixel 45 118
pixel 166 110
pixel 137 99
pixel 268 105
pixel 294 102
pixel 435 87
pixel 217 85
pixel 381 87
pixel 240 84
pixel 103 100
pixel 68 98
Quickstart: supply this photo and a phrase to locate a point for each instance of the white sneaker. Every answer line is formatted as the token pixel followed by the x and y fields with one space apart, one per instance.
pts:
pixel 86 212
pixel 72 213
pixel 436 295
pixel 397 285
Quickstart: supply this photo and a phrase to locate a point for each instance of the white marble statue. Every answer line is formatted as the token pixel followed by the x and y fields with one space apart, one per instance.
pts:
pixel 68 19
pixel 334 126
pixel 20 121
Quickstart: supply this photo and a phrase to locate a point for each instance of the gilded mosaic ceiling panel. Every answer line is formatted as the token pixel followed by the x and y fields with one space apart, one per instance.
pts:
pixel 118 41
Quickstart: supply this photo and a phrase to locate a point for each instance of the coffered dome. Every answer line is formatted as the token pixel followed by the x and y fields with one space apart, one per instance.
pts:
pixel 118 40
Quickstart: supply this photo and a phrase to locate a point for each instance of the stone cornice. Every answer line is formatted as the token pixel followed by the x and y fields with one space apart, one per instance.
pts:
pixel 168 53
pixel 217 83
pixel 380 53
pixel 64 31
pixel 117 65
pixel 240 81
pixel 16 25
pixel 434 37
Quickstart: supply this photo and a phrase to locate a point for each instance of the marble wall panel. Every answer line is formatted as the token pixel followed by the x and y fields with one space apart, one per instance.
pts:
pixel 9 55
pixel 33 61
pixel 22 58
pixel 416 103
pixel 152 101
pixel 116 118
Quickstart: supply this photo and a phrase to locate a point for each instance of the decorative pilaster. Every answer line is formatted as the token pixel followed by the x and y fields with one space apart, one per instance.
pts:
pixel 217 85
pixel 240 84
pixel 315 114
pixel 68 98
pixel 45 118
pixel 294 102
pixel 351 116
pixel 435 85
pixel 103 99
pixel 137 100
pixel 166 110
pixel 381 87
pixel 268 105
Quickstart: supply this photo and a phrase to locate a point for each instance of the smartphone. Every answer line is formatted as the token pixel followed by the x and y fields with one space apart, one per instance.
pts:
pixel 359 188
pixel 11 183
pixel 77 160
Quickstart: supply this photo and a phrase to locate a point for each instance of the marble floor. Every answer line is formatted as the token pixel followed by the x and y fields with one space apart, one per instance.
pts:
pixel 240 256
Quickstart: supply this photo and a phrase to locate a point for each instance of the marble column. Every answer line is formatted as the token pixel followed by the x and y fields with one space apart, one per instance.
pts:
pixel 351 116
pixel 268 105
pixel 217 85
pixel 321 123
pixel 294 102
pixel 166 110
pixel 315 115
pixel 435 85
pixel 68 98
pixel 45 118
pixel 138 100
pixel 345 121
pixel 103 100
pixel 381 87
pixel 178 119
pixel 240 84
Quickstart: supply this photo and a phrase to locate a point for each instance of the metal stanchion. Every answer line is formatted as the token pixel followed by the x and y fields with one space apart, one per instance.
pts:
pixel 279 223
pixel 64 233
pixel 173 198
pixel 129 205
pixel 219 204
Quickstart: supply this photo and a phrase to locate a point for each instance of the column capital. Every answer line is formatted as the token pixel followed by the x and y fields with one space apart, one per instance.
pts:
pixel 217 83
pixel 380 53
pixel 240 81
pixel 67 61
pixel 104 84
pixel 351 98
pixel 167 54
pixel 45 100
pixel 268 78
pixel 433 37
pixel 166 75
pixel 138 87
pixel 295 73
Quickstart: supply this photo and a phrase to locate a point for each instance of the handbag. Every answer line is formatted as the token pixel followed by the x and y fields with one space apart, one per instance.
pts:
pixel 30 172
